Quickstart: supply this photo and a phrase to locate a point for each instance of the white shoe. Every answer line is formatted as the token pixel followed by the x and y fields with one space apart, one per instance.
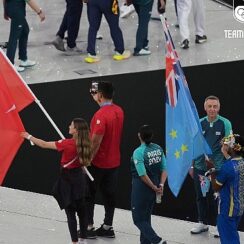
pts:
pixel 72 51
pixel 199 228
pixel 27 63
pixel 82 241
pixel 143 52
pixel 128 10
pixel 99 36
pixel 19 69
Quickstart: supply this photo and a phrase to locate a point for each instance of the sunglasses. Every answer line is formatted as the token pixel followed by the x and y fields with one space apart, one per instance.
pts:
pixel 92 92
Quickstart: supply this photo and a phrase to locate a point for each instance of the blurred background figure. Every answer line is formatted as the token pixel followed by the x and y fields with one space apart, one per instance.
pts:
pixel 19 30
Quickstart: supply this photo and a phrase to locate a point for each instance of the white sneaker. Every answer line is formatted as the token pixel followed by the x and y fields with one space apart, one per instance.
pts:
pixel 19 69
pixel 27 63
pixel 72 51
pixel 143 52
pixel 127 10
pixel 82 241
pixel 99 36
pixel 199 228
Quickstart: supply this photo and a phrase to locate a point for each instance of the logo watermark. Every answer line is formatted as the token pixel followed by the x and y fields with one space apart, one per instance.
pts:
pixel 238 10
pixel 238 14
pixel 234 34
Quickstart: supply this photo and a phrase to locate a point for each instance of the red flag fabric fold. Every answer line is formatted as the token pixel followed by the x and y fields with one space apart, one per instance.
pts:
pixel 19 92
pixel 14 96
pixel 10 128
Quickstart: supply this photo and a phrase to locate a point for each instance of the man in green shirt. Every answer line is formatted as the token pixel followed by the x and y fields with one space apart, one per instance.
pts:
pixel 214 127
pixel 19 29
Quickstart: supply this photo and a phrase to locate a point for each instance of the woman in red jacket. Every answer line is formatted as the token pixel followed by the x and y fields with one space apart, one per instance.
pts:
pixel 69 190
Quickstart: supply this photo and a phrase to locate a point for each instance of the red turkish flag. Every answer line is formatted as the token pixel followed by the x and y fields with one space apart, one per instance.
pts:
pixel 19 92
pixel 14 96
pixel 10 128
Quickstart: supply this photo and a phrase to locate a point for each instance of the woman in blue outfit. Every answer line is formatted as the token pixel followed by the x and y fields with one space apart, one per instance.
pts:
pixel 229 183
pixel 148 177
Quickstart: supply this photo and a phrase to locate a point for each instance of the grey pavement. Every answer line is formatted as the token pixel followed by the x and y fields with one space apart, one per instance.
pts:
pixel 27 217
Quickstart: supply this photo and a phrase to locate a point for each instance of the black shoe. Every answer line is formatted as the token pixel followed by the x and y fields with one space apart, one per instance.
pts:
pixel 91 234
pixel 105 233
pixel 185 44
pixel 200 39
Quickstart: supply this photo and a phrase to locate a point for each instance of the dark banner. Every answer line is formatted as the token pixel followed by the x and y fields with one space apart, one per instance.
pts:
pixel 142 97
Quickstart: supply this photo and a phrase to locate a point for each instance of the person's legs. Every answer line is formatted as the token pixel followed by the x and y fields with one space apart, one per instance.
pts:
pixel 142 202
pixel 23 40
pixel 64 24
pixel 227 227
pixel 201 201
pixel 184 9
pixel 82 215
pixel 202 205
pixel 144 14
pixel 113 22
pixel 74 10
pixel 16 11
pixel 92 188
pixel 199 16
pixel 108 189
pixel 94 17
pixel 72 223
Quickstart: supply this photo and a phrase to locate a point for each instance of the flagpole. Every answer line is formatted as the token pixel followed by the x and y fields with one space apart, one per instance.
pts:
pixel 41 107
pixel 162 18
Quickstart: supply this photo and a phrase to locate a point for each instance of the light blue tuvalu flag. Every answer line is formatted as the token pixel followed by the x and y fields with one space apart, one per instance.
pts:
pixel 184 138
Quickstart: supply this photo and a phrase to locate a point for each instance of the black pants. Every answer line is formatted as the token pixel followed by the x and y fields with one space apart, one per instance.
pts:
pixel 95 10
pixel 206 206
pixel 106 179
pixel 72 222
pixel 71 21
pixel 144 15
pixel 19 29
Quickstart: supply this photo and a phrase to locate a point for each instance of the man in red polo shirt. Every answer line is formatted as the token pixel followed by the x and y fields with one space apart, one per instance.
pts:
pixel 106 130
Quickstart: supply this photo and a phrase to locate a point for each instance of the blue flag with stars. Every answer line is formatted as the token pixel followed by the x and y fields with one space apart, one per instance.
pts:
pixel 184 138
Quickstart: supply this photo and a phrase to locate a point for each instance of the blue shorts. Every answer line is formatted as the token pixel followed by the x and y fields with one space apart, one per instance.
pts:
pixel 227 227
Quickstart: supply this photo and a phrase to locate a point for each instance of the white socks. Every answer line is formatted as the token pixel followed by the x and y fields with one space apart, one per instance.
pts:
pixel 106 227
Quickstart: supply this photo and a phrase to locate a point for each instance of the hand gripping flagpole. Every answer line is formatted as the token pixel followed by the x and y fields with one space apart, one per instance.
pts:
pixel 43 109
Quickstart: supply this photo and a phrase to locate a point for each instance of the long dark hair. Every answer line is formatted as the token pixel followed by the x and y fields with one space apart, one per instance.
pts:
pixel 83 141
pixel 146 133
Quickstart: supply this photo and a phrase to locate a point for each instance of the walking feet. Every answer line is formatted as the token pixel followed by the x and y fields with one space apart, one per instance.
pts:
pixel 199 228
pixel 58 43
pixel 24 64
pixel 105 231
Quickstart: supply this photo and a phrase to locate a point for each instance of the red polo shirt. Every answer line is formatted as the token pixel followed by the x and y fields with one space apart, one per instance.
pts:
pixel 69 152
pixel 108 121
